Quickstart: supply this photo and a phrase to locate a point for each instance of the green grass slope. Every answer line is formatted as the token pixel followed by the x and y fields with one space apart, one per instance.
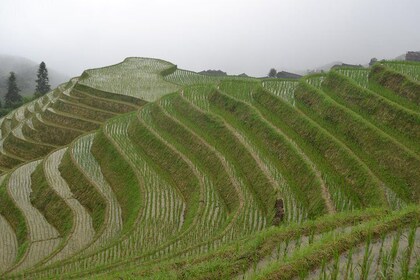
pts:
pixel 143 170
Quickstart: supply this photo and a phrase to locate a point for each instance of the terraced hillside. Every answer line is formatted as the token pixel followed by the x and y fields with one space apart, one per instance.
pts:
pixel 143 170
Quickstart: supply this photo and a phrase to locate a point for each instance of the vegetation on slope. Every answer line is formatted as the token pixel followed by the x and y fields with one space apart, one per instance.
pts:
pixel 191 146
pixel 169 165
pixel 241 255
pixel 135 77
pixel 390 117
pixel 217 135
pixel 49 203
pixel 397 82
pixel 120 176
pixel 302 262
pixel 282 152
pixel 342 171
pixel 45 132
pixel 25 148
pixel 14 216
pixel 189 185
pixel 83 191
pixel 378 150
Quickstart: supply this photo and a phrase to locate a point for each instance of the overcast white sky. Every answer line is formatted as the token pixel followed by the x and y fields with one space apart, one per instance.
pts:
pixel 236 36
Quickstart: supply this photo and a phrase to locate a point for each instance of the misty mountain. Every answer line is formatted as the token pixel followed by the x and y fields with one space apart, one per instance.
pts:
pixel 25 70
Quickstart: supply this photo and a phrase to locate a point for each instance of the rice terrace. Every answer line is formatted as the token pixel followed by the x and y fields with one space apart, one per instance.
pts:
pixel 141 170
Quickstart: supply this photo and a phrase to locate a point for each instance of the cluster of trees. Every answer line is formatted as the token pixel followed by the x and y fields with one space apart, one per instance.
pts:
pixel 13 99
pixel 272 73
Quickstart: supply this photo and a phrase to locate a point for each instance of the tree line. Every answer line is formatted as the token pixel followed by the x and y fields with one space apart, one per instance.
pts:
pixel 13 99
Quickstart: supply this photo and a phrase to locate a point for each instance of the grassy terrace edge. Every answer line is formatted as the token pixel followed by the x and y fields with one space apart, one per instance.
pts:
pixel 235 117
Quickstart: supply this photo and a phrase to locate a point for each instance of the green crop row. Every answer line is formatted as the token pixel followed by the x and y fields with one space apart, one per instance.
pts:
pixel 390 117
pixel 83 191
pixel 375 148
pixel 49 203
pixel 397 82
pixel 340 167
pixel 280 151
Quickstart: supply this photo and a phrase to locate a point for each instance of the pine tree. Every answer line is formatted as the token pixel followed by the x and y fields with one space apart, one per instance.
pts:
pixel 12 97
pixel 42 83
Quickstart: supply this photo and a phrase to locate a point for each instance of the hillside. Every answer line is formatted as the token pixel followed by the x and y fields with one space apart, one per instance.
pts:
pixel 144 170
pixel 26 71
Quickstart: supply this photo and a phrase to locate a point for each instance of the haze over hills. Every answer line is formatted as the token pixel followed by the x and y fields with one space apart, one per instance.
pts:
pixel 142 170
pixel 25 70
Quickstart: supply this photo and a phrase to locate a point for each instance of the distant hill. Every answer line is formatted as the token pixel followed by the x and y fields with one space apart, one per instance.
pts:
pixel 25 70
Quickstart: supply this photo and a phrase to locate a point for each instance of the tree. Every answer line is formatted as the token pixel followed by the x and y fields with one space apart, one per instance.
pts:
pixel 42 83
pixel 12 97
pixel 373 61
pixel 272 73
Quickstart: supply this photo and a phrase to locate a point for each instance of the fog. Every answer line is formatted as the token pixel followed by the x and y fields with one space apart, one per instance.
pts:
pixel 234 36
